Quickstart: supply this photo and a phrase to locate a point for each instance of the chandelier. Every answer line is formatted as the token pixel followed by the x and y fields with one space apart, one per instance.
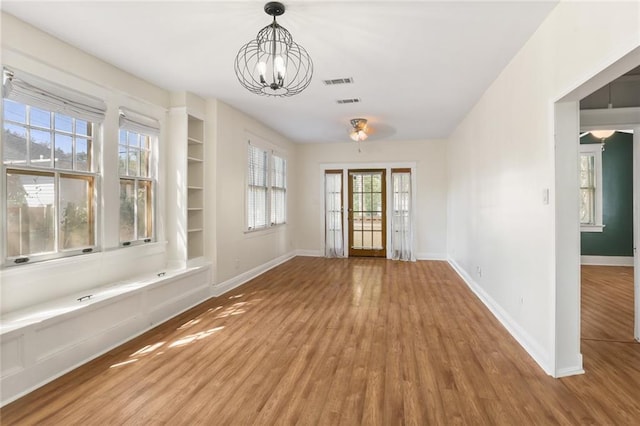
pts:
pixel 273 64
pixel 358 132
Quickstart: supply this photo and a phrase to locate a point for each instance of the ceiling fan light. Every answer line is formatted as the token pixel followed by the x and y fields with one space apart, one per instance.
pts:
pixel 358 133
pixel 602 134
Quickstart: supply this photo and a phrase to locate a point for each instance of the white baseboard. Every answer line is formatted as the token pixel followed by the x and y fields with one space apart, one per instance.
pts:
pixel 310 253
pixel 607 260
pixel 570 371
pixel 238 280
pixel 431 256
pixel 525 340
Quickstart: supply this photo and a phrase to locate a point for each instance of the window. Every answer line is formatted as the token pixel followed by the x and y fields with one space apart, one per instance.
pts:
pixel 278 190
pixel 137 137
pixel 49 170
pixel 266 188
pixel 591 188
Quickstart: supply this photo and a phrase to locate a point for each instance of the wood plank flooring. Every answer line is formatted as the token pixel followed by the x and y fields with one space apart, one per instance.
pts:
pixel 338 341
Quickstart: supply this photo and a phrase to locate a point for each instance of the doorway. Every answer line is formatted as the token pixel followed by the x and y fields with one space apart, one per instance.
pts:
pixel 367 213
pixel 567 119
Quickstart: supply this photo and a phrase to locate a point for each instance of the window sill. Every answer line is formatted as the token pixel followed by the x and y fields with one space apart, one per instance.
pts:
pixel 265 230
pixel 591 228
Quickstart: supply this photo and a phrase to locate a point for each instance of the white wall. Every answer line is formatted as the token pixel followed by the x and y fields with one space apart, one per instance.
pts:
pixel 430 211
pixel 30 50
pixel 236 250
pixel 501 233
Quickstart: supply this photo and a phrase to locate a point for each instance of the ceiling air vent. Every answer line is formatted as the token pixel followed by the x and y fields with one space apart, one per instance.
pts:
pixel 347 80
pixel 348 101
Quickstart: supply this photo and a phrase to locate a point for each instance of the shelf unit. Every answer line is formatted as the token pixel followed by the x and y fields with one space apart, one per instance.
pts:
pixel 195 187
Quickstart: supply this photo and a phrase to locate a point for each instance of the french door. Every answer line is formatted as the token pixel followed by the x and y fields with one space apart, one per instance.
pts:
pixel 367 213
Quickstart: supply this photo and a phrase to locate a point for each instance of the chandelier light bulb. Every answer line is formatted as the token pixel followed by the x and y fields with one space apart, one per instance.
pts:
pixel 279 68
pixel 262 71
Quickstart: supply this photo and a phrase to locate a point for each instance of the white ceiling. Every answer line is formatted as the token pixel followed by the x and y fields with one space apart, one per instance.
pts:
pixel 418 66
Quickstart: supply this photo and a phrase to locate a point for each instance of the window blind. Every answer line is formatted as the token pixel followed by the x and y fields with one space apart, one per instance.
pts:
pixel 138 123
pixel 31 90
pixel 257 188
pixel 278 189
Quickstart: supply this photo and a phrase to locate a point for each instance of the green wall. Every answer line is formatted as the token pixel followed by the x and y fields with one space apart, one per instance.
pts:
pixel 617 192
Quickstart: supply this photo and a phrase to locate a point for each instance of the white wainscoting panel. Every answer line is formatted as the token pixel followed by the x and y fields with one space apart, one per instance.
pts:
pixel 43 342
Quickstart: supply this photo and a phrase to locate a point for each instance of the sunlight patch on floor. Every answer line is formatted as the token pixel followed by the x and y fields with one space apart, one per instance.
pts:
pixel 195 337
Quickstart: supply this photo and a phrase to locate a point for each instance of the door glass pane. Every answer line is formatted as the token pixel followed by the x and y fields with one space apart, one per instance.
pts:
pixel 30 213
pixel 366 215
pixel 76 212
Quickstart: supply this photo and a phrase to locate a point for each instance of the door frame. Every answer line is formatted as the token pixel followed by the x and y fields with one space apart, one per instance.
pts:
pixel 368 165
pixel 564 140
pixel 385 221
pixel 612 121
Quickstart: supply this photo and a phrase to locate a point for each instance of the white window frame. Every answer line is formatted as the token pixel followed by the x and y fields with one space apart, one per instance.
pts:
pixel 133 122
pixel 594 150
pixel 39 93
pixel 271 152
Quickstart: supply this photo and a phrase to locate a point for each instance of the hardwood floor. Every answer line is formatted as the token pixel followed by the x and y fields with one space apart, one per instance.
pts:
pixel 338 341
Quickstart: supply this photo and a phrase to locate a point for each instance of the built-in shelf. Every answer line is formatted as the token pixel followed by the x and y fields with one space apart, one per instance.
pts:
pixel 195 187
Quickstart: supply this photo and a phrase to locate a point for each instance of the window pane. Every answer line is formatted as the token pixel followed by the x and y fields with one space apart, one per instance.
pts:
pixel 587 170
pixel 83 155
pixel 64 123
pixel 30 213
pixel 133 139
pixel 144 210
pixel 76 212
pixel 587 206
pixel 123 137
pixel 14 140
pixel 133 162
pixel 40 148
pixel 64 151
pixel 144 142
pixel 144 163
pixel 40 118
pixel 278 206
pixel 84 128
pixel 127 210
pixel 122 160
pixel 15 111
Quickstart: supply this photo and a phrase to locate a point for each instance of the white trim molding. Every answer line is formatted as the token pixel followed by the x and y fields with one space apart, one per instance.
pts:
pixel 431 256
pixel 310 253
pixel 607 260
pixel 228 285
pixel 522 337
